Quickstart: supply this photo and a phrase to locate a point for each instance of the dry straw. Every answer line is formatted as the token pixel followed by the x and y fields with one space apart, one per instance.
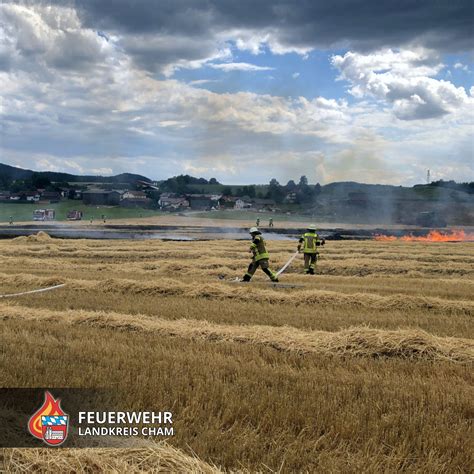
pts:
pixel 156 458
pixel 242 292
pixel 355 341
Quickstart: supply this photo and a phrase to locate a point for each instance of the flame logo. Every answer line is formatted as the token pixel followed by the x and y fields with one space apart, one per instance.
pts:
pixel 433 236
pixel 50 407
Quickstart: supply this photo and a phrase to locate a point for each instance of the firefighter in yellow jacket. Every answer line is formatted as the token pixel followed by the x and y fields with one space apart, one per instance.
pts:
pixel 260 257
pixel 309 241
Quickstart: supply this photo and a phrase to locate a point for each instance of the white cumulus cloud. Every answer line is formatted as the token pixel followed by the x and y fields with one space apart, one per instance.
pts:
pixel 404 79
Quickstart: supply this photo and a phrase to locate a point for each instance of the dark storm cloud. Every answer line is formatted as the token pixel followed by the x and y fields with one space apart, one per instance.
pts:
pixel 359 24
pixel 162 35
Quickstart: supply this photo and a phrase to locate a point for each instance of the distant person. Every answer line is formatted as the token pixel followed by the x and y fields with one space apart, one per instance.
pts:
pixel 270 222
pixel 260 257
pixel 257 222
pixel 309 241
pixel 11 220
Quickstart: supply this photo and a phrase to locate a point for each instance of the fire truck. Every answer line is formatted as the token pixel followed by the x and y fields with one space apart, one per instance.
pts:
pixel 44 215
pixel 74 215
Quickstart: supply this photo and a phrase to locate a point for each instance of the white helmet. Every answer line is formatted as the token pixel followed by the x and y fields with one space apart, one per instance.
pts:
pixel 312 227
pixel 254 230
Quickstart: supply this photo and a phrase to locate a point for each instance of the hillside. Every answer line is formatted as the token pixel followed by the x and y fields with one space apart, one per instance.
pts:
pixel 451 203
pixel 13 173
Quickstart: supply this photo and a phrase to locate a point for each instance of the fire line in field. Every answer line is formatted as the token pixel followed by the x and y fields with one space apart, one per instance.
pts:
pixel 432 236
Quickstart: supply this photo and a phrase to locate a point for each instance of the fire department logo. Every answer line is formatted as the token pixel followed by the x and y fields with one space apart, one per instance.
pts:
pixel 49 423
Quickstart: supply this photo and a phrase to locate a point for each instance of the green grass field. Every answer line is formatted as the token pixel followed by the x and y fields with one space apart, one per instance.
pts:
pixel 24 212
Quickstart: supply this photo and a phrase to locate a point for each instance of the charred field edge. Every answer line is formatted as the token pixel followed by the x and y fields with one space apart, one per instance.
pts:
pixel 124 231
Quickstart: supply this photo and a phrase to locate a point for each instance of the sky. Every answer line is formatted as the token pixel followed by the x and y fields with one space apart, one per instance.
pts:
pixel 371 91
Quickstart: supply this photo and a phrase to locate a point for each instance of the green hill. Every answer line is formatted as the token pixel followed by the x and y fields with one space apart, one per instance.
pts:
pixel 12 173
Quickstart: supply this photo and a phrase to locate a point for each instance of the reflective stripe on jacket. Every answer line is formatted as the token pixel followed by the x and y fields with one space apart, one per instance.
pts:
pixel 310 240
pixel 258 248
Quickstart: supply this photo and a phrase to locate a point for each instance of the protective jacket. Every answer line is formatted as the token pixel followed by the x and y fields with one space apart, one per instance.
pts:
pixel 258 248
pixel 310 241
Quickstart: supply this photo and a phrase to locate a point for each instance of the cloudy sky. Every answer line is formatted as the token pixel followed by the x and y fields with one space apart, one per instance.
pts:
pixel 244 91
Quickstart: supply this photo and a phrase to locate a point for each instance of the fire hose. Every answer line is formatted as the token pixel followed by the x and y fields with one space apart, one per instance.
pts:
pixel 284 267
pixel 34 291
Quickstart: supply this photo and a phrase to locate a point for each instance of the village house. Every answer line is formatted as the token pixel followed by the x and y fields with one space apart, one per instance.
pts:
pixel 241 203
pixel 32 197
pixel 5 195
pixel 228 202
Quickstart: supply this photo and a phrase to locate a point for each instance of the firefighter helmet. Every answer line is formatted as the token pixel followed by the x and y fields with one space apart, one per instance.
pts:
pixel 312 227
pixel 254 230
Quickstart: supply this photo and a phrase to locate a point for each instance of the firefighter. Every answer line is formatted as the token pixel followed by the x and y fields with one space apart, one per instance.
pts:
pixel 310 241
pixel 260 257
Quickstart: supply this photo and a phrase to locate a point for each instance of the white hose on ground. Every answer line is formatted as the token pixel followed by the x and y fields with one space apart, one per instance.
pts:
pixel 284 267
pixel 34 291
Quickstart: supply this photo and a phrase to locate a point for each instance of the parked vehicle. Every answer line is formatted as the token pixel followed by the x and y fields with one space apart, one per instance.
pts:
pixel 44 215
pixel 74 215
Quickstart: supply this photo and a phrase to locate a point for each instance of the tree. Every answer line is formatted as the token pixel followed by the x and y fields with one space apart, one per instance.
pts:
pixel 305 194
pixel 249 191
pixel 303 181
pixel 227 191
pixel 213 181
pixel 290 186
pixel 40 181
pixel 276 191
pixel 317 189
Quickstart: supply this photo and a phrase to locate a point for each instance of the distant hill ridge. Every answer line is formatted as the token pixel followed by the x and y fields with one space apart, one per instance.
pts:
pixel 14 173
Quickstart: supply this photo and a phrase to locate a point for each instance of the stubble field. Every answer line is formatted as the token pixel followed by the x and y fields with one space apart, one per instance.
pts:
pixel 365 367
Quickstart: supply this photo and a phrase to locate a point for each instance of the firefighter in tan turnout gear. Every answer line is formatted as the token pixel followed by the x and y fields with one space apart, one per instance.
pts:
pixel 260 257
pixel 309 241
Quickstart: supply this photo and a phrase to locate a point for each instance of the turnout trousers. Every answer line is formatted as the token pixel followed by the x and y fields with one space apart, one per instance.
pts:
pixel 310 262
pixel 263 264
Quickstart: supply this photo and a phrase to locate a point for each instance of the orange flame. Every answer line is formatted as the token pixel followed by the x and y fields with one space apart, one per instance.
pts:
pixel 433 236
pixel 50 407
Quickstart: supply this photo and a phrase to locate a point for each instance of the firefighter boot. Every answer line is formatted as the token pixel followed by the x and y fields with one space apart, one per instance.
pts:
pixel 271 275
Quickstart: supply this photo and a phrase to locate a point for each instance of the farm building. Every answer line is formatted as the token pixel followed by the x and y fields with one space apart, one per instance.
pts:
pixel 101 197
pixel 51 196
pixel 170 203
pixel 204 201
pixel 144 203
pixel 266 204
pixel 135 195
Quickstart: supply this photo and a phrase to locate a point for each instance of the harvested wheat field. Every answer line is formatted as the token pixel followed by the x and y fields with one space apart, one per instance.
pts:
pixel 365 367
